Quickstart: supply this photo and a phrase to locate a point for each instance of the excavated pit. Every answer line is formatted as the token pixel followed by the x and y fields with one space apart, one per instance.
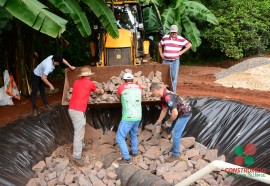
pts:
pixel 218 124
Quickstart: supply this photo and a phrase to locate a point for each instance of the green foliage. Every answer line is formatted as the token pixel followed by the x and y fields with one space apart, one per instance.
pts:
pixel 168 19
pixel 151 21
pixel 146 2
pixel 199 11
pixel 192 32
pixel 183 13
pixel 5 18
pixel 36 15
pixel 244 27
pixel 72 8
pixel 78 51
pixel 105 16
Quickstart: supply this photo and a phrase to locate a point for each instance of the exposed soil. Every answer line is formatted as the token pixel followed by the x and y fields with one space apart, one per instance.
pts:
pixel 198 81
pixel 194 81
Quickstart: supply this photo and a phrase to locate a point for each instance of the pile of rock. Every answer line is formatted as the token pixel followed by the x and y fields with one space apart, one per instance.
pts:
pixel 110 87
pixel 101 151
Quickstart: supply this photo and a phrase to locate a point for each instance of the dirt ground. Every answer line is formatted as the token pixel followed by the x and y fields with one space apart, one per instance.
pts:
pixel 198 81
pixel 194 81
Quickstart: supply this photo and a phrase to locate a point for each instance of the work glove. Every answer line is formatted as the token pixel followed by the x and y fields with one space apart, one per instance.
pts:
pixel 168 124
pixel 157 123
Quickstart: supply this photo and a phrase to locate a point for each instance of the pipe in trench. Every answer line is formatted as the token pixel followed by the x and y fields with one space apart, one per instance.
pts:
pixel 131 175
pixel 228 167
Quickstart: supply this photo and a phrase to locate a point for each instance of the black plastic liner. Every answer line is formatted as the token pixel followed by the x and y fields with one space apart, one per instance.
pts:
pixel 109 118
pixel 225 124
pixel 216 123
pixel 29 140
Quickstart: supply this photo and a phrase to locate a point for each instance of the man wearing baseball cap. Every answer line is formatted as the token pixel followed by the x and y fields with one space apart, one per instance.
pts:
pixel 173 45
pixel 131 97
pixel 81 91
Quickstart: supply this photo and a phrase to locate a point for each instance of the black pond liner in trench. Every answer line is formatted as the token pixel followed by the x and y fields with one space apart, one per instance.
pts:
pixel 216 123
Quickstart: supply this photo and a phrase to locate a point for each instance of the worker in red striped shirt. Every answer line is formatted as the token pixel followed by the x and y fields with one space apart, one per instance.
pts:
pixel 170 49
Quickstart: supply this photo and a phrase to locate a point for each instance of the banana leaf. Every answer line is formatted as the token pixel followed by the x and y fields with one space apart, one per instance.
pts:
pixel 199 11
pixel 105 15
pixel 192 33
pixel 151 23
pixel 72 8
pixel 5 18
pixel 36 15
pixel 168 19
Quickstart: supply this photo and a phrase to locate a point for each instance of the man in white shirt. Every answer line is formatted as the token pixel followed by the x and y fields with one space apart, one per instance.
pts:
pixel 39 79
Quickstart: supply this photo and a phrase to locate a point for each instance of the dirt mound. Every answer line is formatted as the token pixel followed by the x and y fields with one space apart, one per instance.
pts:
pixel 257 78
pixel 243 66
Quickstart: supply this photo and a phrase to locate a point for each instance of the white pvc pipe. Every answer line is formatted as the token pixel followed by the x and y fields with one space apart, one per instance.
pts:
pixel 228 167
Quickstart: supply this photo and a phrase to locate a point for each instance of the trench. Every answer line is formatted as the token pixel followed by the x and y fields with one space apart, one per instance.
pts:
pixel 216 123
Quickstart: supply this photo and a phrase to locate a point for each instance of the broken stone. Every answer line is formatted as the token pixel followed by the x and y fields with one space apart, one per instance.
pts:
pixel 152 153
pixel 149 127
pixel 138 74
pixel 151 76
pixel 211 155
pixel 192 152
pixel 39 166
pixel 187 142
pixel 84 182
pixel 112 175
pixel 95 181
pixel 98 165
pixel 101 174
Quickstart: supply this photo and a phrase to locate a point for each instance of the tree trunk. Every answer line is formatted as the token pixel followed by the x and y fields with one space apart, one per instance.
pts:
pixel 20 67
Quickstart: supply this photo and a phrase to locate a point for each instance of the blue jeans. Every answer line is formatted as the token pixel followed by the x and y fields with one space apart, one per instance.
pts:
pixel 178 128
pixel 174 68
pixel 124 128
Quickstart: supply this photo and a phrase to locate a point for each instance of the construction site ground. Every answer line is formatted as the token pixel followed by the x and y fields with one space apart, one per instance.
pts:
pixel 193 81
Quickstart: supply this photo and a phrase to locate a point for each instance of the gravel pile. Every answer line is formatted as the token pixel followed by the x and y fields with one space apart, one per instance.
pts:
pixel 243 66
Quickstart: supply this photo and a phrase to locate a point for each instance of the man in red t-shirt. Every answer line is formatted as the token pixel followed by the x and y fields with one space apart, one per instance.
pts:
pixel 82 89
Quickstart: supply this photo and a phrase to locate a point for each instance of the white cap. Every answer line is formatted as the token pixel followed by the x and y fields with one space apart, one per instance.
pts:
pixel 128 76
pixel 174 28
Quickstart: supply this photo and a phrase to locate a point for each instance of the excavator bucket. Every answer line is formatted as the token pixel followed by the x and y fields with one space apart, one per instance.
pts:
pixel 103 74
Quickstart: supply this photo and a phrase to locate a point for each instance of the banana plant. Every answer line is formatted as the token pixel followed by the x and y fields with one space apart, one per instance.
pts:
pixel 152 19
pixel 38 16
pixel 105 16
pixel 98 7
pixel 73 9
pixel 181 13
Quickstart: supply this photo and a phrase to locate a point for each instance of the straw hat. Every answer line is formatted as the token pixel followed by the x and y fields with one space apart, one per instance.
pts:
pixel 86 71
